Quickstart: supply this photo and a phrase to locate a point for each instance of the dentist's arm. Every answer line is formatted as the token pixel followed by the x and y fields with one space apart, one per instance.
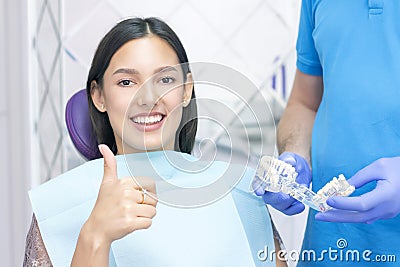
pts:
pixel 294 137
pixel 295 126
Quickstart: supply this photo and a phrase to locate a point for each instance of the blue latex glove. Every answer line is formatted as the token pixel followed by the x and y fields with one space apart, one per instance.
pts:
pixel 381 203
pixel 284 202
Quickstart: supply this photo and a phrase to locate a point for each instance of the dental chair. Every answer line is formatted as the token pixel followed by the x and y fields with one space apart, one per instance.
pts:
pixel 80 127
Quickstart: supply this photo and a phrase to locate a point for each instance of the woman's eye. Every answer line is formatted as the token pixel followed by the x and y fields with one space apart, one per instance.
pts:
pixel 126 83
pixel 167 80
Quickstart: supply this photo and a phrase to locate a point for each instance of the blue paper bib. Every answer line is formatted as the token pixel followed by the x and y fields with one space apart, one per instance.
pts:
pixel 228 231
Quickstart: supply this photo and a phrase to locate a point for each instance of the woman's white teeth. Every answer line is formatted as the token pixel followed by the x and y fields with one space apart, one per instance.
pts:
pixel 148 119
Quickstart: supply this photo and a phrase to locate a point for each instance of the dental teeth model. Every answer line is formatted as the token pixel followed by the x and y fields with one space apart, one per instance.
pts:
pixel 278 176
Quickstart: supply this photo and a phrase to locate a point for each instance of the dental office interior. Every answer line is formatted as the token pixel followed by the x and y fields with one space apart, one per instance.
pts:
pixel 46 47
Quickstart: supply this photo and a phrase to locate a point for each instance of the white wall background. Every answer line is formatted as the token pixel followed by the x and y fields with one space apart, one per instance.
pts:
pixel 15 131
pixel 56 43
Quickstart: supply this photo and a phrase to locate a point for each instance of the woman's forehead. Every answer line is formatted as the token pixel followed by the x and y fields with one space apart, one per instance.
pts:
pixel 144 55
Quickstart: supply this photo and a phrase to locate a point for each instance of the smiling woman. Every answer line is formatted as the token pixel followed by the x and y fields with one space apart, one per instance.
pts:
pixel 141 99
pixel 142 88
pixel 133 52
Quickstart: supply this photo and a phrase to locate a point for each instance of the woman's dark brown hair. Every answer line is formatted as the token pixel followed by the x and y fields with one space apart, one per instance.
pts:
pixel 122 33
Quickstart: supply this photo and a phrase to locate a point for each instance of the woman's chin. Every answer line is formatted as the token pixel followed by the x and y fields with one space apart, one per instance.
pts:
pixel 150 145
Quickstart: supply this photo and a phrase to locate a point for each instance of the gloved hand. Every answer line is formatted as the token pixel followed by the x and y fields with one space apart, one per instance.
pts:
pixel 284 202
pixel 383 202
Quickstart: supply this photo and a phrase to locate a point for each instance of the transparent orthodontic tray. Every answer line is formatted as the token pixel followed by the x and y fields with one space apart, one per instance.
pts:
pixel 278 176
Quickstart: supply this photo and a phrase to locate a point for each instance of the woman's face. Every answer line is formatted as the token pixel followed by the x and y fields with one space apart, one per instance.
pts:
pixel 144 94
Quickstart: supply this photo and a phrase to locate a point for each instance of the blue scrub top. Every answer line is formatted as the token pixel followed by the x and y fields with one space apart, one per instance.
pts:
pixel 355 46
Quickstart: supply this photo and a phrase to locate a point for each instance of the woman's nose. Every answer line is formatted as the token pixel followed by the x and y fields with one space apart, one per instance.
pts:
pixel 147 96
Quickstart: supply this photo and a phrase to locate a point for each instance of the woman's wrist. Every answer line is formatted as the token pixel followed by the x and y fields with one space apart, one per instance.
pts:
pixel 92 238
pixel 92 249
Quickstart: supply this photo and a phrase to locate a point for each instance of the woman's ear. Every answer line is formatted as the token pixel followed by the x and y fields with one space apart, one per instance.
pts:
pixel 97 96
pixel 187 90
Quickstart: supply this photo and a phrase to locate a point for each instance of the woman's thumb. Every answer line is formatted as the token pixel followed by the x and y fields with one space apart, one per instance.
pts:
pixel 110 164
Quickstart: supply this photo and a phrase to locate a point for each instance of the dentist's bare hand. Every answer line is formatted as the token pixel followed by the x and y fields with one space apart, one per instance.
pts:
pixel 121 206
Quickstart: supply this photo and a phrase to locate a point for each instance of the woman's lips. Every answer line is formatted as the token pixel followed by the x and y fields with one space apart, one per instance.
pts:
pixel 148 122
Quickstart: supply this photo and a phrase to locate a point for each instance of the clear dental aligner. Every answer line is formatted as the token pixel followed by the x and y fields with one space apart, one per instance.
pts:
pixel 278 176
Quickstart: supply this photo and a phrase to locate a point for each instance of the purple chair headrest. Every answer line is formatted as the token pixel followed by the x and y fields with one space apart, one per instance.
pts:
pixel 80 127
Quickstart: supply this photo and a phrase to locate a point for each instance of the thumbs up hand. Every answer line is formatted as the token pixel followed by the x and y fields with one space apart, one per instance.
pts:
pixel 122 206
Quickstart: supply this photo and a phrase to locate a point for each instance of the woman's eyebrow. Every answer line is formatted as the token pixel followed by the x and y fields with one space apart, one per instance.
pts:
pixel 165 69
pixel 126 71
pixel 134 71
